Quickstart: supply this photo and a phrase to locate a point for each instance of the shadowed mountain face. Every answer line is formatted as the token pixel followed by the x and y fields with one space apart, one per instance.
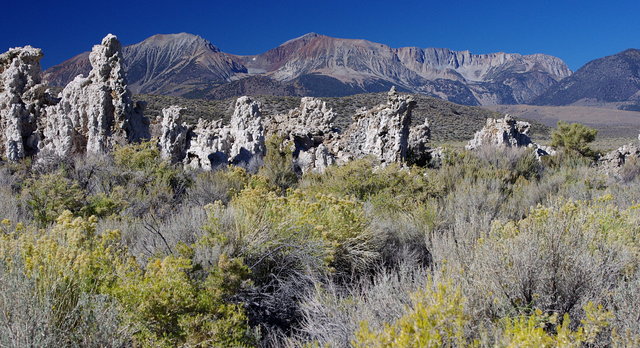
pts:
pixel 317 65
pixel 171 64
pixel 614 78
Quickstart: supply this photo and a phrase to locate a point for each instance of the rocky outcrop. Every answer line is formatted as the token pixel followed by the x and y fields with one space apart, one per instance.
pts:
pixel 209 146
pixel 213 144
pixel 173 137
pixel 22 101
pixel 382 131
pixel 501 132
pixel 307 128
pixel 315 159
pixel 418 150
pixel 506 132
pixel 246 131
pixel 95 112
pixel 614 161
pixel 312 118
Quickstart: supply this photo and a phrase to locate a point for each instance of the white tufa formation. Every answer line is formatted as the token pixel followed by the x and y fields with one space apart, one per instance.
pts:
pixel 419 151
pixel 507 132
pixel 613 161
pixel 307 128
pixel 382 131
pixel 96 112
pixel 173 138
pixel 312 118
pixel 246 130
pixel 501 132
pixel 213 144
pixel 21 101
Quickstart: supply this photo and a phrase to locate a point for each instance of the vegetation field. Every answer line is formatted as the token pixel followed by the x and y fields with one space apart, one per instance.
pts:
pixel 488 248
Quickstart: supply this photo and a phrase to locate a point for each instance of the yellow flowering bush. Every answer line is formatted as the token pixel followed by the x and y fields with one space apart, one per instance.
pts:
pixel 437 319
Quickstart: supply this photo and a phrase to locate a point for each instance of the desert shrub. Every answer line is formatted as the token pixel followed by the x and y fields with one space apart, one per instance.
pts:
pixel 630 170
pixel 10 207
pixel 151 236
pixel 556 260
pixel 574 137
pixel 337 223
pixel 287 240
pixel 63 270
pixel 529 331
pixel 169 307
pixel 30 315
pixel 332 313
pixel 278 163
pixel 624 301
pixel 49 195
pixel 151 183
pixel 218 185
pixel 505 164
pixel 404 234
pixel 548 330
pixel 435 319
pixel 389 188
pixel 165 302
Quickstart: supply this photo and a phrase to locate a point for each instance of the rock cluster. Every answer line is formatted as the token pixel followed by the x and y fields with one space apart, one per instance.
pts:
pixel 308 128
pixel 506 132
pixel 501 132
pixel 614 161
pixel 173 137
pixel 22 101
pixel 382 131
pixel 95 112
pixel 210 143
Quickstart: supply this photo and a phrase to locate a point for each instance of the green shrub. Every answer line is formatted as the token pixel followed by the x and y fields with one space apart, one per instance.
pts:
pixel 169 307
pixel 574 137
pixel 278 163
pixel 49 195
pixel 151 183
pixel 436 319
pixel 262 220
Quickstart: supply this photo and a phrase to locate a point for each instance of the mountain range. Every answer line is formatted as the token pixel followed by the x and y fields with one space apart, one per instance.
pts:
pixel 317 65
pixel 612 79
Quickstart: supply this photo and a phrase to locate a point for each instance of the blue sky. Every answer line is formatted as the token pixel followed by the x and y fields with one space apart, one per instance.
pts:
pixel 576 31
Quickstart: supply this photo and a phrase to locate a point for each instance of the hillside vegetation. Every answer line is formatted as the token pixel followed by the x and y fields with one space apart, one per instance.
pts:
pixel 493 248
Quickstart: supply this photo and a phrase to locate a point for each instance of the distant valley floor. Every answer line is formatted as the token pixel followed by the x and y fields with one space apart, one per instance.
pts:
pixel 610 123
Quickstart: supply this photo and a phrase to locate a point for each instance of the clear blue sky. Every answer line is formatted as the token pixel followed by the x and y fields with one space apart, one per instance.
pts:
pixel 576 31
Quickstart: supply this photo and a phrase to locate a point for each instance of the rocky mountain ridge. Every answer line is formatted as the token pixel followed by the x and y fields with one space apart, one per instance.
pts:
pixel 614 78
pixel 318 65
pixel 162 64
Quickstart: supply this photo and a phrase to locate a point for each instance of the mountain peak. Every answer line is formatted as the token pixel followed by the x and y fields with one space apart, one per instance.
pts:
pixel 181 63
pixel 305 37
pixel 609 79
pixel 179 40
